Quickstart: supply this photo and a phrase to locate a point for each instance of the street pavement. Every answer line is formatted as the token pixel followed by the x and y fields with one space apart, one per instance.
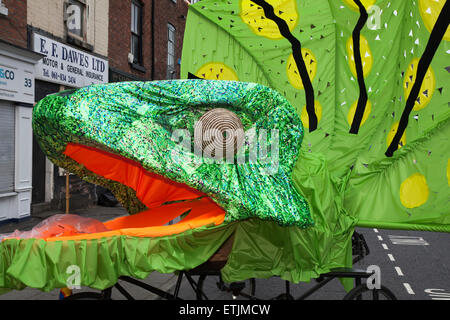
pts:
pixel 414 265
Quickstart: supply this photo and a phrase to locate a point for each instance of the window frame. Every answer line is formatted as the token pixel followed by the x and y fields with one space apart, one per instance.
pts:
pixel 137 60
pixel 171 68
pixel 9 176
pixel 83 36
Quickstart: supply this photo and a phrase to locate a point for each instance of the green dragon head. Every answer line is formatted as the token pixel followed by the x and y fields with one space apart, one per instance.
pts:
pixel 155 125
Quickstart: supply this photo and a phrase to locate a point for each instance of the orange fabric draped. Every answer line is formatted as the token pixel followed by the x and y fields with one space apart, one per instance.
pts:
pixel 148 223
pixel 153 190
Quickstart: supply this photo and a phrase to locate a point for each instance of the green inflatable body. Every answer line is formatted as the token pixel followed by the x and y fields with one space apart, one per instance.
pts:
pixel 407 189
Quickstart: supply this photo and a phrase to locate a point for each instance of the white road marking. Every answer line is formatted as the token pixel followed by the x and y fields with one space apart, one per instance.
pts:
pixel 391 257
pixel 408 288
pixel 380 238
pixel 384 246
pixel 408 240
pixel 375 230
pixel 399 271
pixel 438 294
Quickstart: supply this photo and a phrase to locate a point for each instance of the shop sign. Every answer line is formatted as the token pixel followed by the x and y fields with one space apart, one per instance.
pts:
pixel 16 80
pixel 66 65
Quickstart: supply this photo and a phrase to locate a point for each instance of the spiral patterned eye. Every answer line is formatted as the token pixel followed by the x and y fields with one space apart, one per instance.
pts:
pixel 219 133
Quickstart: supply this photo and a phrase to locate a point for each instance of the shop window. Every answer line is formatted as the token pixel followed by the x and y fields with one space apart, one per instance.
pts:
pixel 7 148
pixel 170 51
pixel 75 17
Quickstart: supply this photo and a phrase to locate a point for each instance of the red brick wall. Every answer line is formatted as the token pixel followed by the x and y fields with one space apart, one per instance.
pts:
pixel 165 11
pixel 119 41
pixel 13 28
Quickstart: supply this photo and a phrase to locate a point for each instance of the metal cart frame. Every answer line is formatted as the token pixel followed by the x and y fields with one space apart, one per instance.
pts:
pixel 213 266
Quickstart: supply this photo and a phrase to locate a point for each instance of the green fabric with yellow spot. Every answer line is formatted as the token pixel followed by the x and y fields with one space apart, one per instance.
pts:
pixel 407 191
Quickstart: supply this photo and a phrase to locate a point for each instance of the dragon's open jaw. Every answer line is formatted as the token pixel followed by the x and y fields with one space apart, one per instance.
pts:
pixel 162 197
pixel 137 140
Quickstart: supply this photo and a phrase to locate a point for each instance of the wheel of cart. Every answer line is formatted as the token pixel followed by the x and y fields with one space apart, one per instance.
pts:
pixel 362 292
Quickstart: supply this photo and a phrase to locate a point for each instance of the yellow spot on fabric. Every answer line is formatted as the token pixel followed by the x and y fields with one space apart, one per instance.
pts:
pixel 366 55
pixel 352 111
pixel 253 15
pixel 366 3
pixel 391 135
pixel 292 71
pixel 430 10
pixel 304 115
pixel 216 71
pixel 414 191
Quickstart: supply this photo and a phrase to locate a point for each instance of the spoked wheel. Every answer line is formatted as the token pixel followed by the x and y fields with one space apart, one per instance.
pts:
pixel 286 295
pixel 361 292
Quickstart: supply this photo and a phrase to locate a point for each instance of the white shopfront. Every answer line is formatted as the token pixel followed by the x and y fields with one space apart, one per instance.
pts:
pixel 62 67
pixel 17 73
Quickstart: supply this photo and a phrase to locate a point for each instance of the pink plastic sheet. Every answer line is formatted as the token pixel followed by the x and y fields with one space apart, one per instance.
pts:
pixel 59 225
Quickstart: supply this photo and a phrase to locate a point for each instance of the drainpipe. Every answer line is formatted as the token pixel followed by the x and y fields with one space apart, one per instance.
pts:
pixel 153 39
pixel 67 191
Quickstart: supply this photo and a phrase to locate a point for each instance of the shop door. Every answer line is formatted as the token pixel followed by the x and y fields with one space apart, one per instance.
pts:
pixel 38 194
pixel 7 150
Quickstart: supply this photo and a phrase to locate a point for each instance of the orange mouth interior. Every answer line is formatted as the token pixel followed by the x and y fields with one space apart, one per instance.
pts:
pixel 153 191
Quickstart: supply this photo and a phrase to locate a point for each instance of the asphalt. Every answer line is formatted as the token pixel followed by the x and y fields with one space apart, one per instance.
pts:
pixel 414 264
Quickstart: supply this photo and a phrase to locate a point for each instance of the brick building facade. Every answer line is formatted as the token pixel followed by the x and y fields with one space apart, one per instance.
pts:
pixel 134 39
pixel 176 18
pixel 13 26
pixel 121 69
pixel 158 19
